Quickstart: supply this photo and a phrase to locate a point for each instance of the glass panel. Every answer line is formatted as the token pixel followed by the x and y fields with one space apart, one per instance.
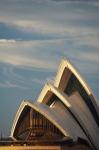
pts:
pixel 41 128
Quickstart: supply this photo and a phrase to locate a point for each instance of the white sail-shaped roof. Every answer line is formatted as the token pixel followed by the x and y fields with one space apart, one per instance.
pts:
pixel 69 105
pixel 45 111
pixel 66 69
pixel 74 123
pixel 83 102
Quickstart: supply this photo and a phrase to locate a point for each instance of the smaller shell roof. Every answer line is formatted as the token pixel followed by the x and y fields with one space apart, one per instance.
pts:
pixel 80 116
pixel 45 111
pixel 63 98
pixel 56 91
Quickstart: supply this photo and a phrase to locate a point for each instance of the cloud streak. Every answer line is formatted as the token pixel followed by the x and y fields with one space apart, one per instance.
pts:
pixel 24 61
pixel 38 54
pixel 2 41
pixel 11 85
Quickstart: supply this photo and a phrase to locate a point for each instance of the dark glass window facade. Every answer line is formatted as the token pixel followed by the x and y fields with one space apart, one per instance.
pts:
pixel 32 126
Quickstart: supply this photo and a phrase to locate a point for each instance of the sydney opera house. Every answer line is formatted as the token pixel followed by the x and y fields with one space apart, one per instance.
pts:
pixel 66 112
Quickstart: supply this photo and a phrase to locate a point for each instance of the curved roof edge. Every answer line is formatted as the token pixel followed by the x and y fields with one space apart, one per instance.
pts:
pixel 42 109
pixel 53 89
pixel 65 63
pixel 60 94
pixel 17 117
pixel 64 98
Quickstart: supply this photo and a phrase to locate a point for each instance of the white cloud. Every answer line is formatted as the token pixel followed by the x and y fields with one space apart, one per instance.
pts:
pixel 13 79
pixel 46 54
pixel 27 54
pixel 8 84
pixel 53 19
pixel 90 56
pixel 56 27
pixel 62 31
pixel 4 41
pixel 24 61
pixel 38 81
pixel 66 24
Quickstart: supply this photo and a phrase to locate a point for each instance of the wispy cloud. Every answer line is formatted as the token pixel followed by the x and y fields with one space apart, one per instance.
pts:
pixel 25 61
pixel 39 53
pixel 39 21
pixel 20 78
pixel 8 84
pixel 7 41
pixel 38 81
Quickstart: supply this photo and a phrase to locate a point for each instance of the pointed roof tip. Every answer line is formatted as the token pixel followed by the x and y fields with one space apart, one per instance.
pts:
pixel 49 84
pixel 66 61
pixel 26 101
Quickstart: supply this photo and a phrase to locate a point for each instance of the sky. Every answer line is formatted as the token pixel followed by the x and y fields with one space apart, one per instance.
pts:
pixel 34 36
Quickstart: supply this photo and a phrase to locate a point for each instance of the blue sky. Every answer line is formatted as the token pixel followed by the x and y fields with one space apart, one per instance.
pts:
pixel 34 36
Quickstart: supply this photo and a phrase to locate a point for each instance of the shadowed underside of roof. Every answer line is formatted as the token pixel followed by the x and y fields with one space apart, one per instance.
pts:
pixel 36 121
pixel 69 80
